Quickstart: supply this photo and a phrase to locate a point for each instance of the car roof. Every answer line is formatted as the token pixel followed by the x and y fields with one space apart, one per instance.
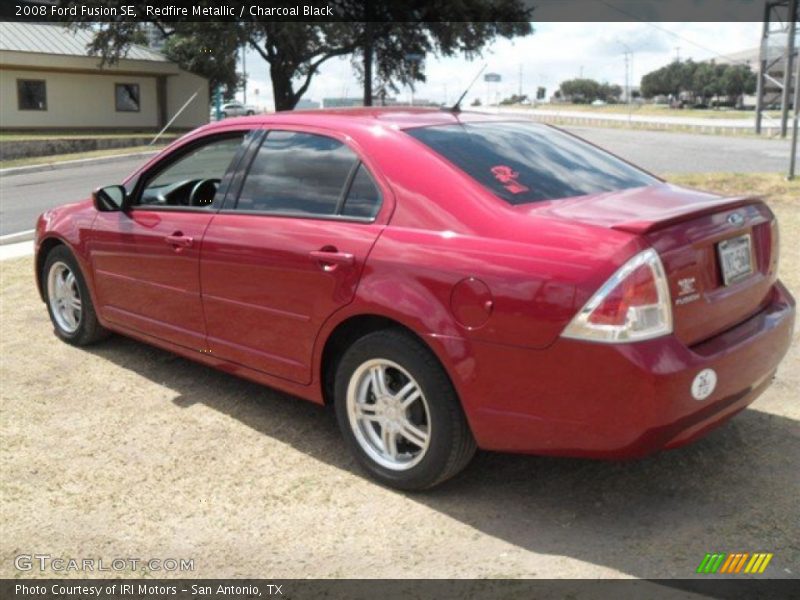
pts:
pixel 342 118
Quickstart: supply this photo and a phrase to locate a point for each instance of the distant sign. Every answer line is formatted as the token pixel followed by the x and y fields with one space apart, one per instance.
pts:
pixel 492 77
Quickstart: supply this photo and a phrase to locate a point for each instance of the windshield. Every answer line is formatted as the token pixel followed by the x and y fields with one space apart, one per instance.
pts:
pixel 529 162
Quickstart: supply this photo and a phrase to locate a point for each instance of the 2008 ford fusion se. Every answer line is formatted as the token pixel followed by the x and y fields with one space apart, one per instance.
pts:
pixel 446 280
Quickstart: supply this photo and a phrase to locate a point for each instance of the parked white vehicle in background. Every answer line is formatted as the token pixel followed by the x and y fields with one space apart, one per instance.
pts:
pixel 234 109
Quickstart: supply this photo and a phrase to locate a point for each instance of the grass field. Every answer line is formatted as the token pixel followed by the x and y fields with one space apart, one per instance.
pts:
pixel 57 158
pixel 659 110
pixel 17 136
pixel 772 186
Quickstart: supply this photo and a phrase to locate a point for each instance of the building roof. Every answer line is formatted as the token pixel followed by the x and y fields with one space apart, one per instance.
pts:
pixel 45 38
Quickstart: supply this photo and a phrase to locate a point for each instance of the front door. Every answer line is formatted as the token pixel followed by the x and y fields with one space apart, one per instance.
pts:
pixel 146 257
pixel 289 253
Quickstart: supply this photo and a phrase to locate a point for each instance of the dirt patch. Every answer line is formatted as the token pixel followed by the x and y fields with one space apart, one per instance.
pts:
pixel 122 450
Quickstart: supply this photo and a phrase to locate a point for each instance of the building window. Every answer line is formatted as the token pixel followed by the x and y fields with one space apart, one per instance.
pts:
pixel 31 94
pixel 127 97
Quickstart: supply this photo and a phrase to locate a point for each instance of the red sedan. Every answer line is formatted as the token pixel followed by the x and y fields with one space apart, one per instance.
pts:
pixel 446 281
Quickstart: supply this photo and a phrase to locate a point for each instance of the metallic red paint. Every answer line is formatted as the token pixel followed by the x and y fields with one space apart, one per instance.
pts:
pixel 251 295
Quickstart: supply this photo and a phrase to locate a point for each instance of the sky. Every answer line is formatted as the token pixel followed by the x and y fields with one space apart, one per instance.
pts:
pixel 555 52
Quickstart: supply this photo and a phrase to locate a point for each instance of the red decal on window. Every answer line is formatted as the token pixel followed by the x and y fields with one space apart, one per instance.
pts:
pixel 508 177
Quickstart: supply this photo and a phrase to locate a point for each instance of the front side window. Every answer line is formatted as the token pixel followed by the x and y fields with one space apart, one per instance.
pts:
pixel 31 94
pixel 126 97
pixel 192 180
pixel 298 173
pixel 528 162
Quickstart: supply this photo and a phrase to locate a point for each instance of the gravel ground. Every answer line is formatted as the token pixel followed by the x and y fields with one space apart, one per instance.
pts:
pixel 121 450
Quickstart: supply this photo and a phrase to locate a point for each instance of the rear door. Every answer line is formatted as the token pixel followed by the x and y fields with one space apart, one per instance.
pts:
pixel 146 257
pixel 288 250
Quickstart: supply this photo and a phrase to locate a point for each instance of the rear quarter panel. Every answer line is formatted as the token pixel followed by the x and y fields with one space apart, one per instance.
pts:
pixel 447 228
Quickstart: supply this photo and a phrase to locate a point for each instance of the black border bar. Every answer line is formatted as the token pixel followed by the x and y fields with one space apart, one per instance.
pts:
pixel 381 10
pixel 391 589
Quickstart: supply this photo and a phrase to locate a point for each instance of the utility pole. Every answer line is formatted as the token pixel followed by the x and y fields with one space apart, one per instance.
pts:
pixel 628 71
pixel 627 79
pixel 519 93
pixel 793 157
pixel 787 70
pixel 244 73
pixel 780 23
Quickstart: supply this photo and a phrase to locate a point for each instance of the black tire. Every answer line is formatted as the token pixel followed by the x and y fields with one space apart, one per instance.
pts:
pixel 88 330
pixel 250 113
pixel 451 444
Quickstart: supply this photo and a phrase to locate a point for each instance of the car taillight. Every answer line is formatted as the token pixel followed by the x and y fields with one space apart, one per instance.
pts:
pixel 633 305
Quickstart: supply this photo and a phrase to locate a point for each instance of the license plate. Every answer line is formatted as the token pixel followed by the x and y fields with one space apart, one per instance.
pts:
pixel 735 258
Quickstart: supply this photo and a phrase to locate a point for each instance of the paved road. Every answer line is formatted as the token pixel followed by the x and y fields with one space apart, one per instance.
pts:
pixel 664 152
pixel 24 196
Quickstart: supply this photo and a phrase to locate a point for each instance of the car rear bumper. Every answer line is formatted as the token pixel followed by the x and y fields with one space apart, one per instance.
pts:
pixel 619 401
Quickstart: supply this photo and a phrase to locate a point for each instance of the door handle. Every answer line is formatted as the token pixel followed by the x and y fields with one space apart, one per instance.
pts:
pixel 329 259
pixel 178 240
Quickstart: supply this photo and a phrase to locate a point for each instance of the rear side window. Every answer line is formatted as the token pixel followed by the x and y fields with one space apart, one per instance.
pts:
pixel 528 162
pixel 363 199
pixel 297 172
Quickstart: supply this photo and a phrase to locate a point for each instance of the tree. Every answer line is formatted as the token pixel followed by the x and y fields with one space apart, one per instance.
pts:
pixel 738 80
pixel 702 81
pixel 393 48
pixel 295 51
pixel 585 91
pixel 206 49
pixel 514 99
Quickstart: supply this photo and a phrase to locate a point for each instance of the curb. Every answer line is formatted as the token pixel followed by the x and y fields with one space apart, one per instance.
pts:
pixel 17 250
pixel 55 166
pixel 20 236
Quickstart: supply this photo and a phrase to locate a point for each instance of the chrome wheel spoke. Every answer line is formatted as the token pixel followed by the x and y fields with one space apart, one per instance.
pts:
pixel 378 379
pixel 408 395
pixel 69 316
pixel 389 439
pixel 367 412
pixel 414 434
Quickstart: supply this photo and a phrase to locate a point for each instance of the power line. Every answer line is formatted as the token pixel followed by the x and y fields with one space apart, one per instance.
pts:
pixel 672 33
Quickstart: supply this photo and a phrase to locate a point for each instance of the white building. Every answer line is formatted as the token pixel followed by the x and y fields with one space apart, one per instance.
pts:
pixel 47 81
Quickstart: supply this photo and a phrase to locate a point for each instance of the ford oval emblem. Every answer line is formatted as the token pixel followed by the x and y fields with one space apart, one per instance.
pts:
pixel 736 219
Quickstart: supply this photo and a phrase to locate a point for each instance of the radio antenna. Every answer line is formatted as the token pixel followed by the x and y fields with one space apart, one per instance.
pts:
pixel 456 108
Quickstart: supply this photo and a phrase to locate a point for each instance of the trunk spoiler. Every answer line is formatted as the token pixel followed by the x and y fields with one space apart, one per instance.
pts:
pixel 679 214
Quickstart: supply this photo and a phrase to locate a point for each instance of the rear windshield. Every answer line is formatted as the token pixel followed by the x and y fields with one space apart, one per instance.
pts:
pixel 528 162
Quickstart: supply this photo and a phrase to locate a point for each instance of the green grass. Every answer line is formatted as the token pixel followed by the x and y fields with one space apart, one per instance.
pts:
pixel 655 110
pixel 771 186
pixel 60 135
pixel 668 127
pixel 43 160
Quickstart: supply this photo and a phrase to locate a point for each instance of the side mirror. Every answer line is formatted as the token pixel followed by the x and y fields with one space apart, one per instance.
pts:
pixel 109 198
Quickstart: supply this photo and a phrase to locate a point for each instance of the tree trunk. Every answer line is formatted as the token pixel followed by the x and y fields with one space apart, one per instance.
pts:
pixel 282 92
pixel 368 52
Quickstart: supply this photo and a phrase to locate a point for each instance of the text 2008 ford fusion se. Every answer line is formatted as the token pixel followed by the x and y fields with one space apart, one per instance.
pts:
pixel 446 280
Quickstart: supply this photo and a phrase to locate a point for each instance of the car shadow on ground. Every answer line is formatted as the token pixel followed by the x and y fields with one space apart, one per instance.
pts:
pixel 734 491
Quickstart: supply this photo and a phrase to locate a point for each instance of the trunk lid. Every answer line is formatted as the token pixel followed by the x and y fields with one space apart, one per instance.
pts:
pixel 686 227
